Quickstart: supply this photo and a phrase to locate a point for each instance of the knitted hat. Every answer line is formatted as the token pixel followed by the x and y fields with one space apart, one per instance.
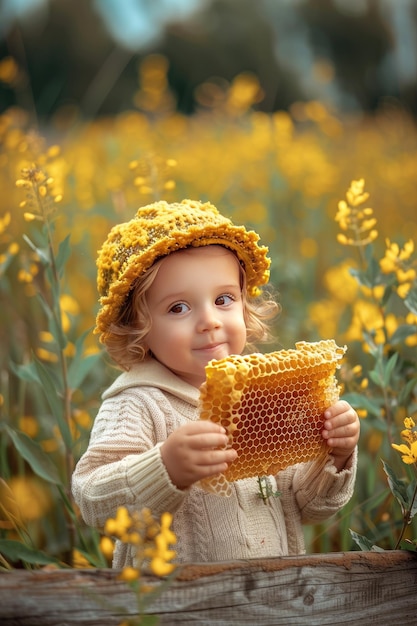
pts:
pixel 159 229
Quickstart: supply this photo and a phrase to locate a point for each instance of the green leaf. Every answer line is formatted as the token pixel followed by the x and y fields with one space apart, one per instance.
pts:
pixel 404 394
pixel 26 372
pixel 15 551
pixel 81 365
pixel 412 498
pixel 389 368
pixel 387 294
pixel 398 488
pixel 64 253
pixel 32 452
pixel 45 305
pixel 361 277
pixel 359 401
pixel 364 544
pixel 56 329
pixel 402 332
pixel 411 300
pixel 55 401
pixel 42 254
pixel 377 376
pixel 371 276
pixel 408 544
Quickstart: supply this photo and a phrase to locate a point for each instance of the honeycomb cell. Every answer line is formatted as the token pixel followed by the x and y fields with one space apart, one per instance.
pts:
pixel 271 406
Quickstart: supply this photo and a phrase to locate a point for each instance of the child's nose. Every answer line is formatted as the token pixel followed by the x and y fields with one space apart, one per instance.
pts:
pixel 209 319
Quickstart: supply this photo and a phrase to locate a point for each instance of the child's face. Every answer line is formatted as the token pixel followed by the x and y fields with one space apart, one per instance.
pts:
pixel 196 308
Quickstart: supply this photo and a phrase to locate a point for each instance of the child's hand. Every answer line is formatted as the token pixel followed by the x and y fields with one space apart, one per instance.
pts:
pixel 341 431
pixel 195 451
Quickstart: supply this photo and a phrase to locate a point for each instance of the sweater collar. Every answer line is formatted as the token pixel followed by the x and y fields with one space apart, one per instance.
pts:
pixel 151 373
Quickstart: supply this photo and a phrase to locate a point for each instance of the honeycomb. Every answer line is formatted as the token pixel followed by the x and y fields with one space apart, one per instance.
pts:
pixel 271 406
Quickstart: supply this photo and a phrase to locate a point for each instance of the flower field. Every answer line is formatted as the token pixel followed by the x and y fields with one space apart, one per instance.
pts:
pixel 343 266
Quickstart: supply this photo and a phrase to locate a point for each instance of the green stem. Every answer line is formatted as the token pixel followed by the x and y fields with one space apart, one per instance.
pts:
pixel 407 516
pixel 66 391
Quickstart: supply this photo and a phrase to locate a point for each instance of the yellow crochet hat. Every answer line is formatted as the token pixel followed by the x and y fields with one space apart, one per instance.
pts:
pixel 159 229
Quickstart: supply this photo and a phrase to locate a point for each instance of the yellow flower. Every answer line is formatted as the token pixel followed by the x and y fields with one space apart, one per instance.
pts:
pixel 120 524
pixel 404 276
pixel 407 250
pixel 29 425
pixel 46 336
pixel 69 304
pixel 359 221
pixel 407 435
pixel 342 239
pixel 395 258
pixel 403 290
pixel 356 194
pixel 409 453
pixel 70 349
pixel 340 275
pixel 47 355
pixel 166 521
pixel 29 217
pixel 409 423
pixel 79 560
pixel 169 185
pixel 343 214
pixel 161 554
pixel 160 567
pixel 107 547
pixel 4 222
pixel 129 574
pixel 32 499
pixel 82 418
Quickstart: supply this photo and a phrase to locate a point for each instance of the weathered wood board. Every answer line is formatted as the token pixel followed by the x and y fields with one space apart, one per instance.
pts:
pixel 343 588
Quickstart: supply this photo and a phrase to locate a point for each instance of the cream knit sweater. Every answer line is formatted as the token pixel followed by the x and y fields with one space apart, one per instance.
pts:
pixel 123 467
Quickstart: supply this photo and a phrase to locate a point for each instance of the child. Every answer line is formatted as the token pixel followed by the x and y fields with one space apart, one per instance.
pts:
pixel 180 285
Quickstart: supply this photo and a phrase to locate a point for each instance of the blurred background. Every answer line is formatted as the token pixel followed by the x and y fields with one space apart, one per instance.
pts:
pixel 83 55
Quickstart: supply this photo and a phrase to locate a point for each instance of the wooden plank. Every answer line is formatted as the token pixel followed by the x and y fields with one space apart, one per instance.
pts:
pixel 342 588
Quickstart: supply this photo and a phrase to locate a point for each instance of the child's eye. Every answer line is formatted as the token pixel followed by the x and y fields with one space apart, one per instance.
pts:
pixel 180 307
pixel 224 299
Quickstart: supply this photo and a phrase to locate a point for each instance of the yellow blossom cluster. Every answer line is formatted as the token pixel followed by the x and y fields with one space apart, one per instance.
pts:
pixel 354 219
pixel 149 539
pixel 398 261
pixel 40 195
pixel 409 449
